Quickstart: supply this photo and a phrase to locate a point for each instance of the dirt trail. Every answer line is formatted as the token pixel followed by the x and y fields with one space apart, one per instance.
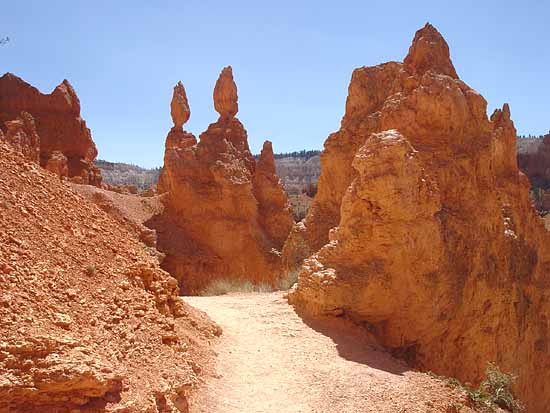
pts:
pixel 271 360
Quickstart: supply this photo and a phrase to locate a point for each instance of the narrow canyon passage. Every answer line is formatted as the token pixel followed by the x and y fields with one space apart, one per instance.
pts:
pixel 271 360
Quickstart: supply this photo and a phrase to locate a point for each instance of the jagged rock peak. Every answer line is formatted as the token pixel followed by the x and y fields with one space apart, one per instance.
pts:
pixel 266 162
pixel 501 115
pixel 179 107
pixel 225 94
pixel 429 51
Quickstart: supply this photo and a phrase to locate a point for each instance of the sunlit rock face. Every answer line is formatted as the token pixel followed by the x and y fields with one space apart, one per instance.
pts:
pixel 58 123
pixel 422 228
pixel 226 216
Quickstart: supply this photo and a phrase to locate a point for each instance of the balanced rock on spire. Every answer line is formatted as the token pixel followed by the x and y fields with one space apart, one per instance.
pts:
pixel 226 216
pixel 179 107
pixel 225 94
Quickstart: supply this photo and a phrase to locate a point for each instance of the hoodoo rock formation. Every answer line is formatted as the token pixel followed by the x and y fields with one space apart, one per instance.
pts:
pixel 58 123
pixel 226 217
pixel 88 320
pixel 422 229
pixel 275 214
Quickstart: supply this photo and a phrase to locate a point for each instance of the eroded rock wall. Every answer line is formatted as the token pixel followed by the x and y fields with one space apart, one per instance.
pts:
pixel 422 228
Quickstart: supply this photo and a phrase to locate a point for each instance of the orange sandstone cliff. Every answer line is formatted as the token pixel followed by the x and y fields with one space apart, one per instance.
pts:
pixel 226 217
pixel 66 145
pixel 422 229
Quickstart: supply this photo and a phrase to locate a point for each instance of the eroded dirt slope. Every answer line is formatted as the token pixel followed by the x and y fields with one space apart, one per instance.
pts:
pixel 88 320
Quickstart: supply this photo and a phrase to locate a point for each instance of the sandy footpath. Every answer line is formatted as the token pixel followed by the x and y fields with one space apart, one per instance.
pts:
pixel 271 360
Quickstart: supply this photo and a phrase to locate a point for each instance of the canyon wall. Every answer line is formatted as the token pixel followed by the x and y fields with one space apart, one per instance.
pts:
pixel 66 145
pixel 226 216
pixel 422 229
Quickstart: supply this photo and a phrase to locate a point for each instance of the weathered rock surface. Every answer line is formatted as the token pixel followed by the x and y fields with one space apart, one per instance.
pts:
pixel 21 134
pixel 422 228
pixel 58 123
pixel 225 216
pixel 88 320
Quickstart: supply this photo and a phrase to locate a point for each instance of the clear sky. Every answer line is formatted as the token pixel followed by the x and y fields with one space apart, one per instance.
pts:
pixel 292 60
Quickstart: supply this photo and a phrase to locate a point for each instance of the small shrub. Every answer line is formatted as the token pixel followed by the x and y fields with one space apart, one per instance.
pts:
pixel 287 282
pixel 495 390
pixel 454 382
pixel 91 269
pixel 225 286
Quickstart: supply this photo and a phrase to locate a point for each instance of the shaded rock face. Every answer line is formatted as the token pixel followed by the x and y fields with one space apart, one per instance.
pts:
pixel 21 134
pixel 58 164
pixel 58 123
pixel 226 217
pixel 422 228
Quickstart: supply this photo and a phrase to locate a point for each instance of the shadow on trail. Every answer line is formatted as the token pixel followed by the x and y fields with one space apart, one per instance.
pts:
pixel 354 343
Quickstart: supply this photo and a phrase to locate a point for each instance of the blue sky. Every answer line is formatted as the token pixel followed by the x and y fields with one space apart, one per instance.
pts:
pixel 292 60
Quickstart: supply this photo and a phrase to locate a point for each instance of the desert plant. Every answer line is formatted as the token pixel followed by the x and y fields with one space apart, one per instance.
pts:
pixel 225 286
pixel 495 391
pixel 287 282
